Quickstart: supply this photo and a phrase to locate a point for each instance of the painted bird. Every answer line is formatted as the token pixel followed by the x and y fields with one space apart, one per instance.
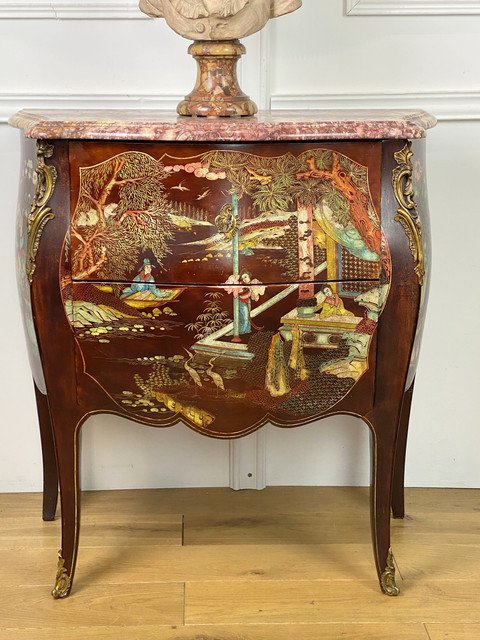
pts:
pixel 216 377
pixel 204 194
pixel 180 187
pixel 191 371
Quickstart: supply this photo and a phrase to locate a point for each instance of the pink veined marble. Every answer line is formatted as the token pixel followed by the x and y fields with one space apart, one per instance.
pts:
pixel 275 125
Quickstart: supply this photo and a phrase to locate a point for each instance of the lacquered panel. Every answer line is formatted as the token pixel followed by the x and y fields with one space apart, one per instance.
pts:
pixel 201 214
pixel 225 360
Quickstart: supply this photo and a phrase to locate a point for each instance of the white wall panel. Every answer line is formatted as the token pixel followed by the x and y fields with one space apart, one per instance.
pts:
pixel 319 50
pixel 411 7
pixel 93 56
pixel 333 451
pixel 118 453
pixel 71 10
pixel 317 57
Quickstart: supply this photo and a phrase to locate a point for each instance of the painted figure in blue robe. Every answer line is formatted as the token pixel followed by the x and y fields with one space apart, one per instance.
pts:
pixel 250 290
pixel 144 281
pixel 244 309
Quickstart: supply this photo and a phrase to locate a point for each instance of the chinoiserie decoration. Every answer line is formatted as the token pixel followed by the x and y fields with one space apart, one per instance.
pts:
pixel 216 27
pixel 298 273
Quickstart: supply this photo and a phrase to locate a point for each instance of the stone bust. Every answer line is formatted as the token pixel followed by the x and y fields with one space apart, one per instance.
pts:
pixel 217 19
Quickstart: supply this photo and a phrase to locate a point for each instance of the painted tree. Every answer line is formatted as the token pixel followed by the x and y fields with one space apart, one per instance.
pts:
pixel 272 184
pixel 212 318
pixel 307 194
pixel 234 165
pixel 343 209
pixel 327 194
pixel 272 181
pixel 347 194
pixel 278 188
pixel 122 211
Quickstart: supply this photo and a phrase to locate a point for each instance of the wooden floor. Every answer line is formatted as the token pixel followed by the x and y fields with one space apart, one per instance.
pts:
pixel 282 564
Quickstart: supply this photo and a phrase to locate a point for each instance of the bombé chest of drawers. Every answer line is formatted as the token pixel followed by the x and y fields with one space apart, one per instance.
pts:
pixel 224 274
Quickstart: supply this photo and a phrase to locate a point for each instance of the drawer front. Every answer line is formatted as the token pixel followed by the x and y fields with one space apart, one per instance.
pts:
pixel 208 214
pixel 225 360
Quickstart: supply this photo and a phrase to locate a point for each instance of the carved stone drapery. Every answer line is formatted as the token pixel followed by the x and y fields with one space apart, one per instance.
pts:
pixel 217 19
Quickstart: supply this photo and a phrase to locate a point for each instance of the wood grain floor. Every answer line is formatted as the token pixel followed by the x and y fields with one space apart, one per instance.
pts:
pixel 282 564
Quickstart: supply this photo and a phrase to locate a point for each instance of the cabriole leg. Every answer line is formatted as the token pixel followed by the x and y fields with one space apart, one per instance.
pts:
pixel 398 490
pixel 50 473
pixel 383 455
pixel 66 429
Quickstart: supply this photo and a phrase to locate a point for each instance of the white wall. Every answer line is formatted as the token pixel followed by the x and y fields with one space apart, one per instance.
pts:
pixel 327 54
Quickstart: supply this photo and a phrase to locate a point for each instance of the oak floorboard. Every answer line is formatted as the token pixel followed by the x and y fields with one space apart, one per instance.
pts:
pixel 125 565
pixel 437 561
pixel 330 601
pixel 428 500
pixel 201 501
pixel 427 523
pixel 271 500
pixel 316 528
pixel 272 529
pixel 97 530
pixel 264 558
pixel 33 607
pixel 218 632
pixel 453 631
pixel 280 500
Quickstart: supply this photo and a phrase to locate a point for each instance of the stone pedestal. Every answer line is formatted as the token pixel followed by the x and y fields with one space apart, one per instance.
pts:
pixel 217 91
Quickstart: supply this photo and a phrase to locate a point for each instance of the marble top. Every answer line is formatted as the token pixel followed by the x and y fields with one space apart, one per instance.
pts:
pixel 275 125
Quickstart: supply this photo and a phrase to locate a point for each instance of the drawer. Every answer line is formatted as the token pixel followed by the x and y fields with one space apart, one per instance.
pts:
pixel 226 359
pixel 207 214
